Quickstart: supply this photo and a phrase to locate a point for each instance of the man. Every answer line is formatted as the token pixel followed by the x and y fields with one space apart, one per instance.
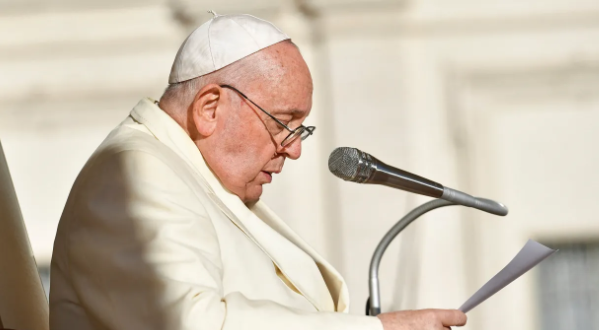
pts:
pixel 164 228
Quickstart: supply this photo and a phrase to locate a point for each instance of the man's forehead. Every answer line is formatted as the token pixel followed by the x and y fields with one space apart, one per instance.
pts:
pixel 294 100
pixel 282 83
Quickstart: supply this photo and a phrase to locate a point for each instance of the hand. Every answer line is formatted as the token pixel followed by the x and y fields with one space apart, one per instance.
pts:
pixel 426 319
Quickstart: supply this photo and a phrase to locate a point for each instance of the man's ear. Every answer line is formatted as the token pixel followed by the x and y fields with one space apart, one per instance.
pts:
pixel 204 109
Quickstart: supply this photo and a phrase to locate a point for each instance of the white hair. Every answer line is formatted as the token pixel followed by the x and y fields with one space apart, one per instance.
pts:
pixel 179 96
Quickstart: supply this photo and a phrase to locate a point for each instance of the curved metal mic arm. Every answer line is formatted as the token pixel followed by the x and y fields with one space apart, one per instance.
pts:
pixel 373 305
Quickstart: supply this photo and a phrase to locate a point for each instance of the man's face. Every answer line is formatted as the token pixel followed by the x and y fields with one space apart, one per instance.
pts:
pixel 245 149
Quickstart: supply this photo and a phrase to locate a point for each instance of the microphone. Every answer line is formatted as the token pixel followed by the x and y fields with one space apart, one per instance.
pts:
pixel 351 164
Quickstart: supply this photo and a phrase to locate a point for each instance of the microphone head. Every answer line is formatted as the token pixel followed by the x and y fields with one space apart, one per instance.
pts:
pixel 351 164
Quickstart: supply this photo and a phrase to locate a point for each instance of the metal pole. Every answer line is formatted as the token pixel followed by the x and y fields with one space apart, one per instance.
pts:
pixel 373 304
pixel 23 304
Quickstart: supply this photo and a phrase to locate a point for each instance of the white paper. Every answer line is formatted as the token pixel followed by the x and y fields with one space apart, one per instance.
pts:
pixel 529 256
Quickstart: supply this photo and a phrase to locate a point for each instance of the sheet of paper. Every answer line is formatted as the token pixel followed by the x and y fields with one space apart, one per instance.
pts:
pixel 529 256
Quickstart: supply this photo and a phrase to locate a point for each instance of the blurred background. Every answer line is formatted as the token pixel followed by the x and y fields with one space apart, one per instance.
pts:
pixel 498 98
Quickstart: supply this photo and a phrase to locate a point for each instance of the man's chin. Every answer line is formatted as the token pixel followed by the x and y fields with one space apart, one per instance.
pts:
pixel 253 195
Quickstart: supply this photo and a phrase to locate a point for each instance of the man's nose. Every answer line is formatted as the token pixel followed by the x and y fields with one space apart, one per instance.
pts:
pixel 294 150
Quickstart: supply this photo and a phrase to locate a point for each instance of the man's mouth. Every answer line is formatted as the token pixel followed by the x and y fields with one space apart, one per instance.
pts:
pixel 268 176
pixel 268 173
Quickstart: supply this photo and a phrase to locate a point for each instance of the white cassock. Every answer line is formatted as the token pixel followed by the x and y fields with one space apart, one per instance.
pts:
pixel 150 239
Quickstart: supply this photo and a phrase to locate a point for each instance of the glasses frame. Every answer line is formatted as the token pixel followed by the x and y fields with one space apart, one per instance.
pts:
pixel 292 132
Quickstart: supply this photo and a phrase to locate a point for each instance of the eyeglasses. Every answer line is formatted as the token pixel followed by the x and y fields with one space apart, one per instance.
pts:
pixel 301 132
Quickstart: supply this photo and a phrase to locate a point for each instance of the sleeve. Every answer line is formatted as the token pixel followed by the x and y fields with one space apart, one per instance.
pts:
pixel 143 255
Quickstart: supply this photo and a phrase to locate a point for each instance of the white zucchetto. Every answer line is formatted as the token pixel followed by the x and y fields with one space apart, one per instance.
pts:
pixel 221 41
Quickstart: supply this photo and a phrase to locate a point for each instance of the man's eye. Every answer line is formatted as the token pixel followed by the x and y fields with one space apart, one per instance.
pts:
pixel 275 127
pixel 284 122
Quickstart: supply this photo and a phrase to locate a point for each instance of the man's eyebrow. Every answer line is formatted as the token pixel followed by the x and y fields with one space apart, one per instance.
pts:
pixel 293 112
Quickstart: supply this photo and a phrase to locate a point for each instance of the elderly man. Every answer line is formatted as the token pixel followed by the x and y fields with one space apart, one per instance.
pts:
pixel 164 228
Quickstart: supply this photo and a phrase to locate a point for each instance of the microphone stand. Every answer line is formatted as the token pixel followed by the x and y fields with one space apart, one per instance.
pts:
pixel 373 304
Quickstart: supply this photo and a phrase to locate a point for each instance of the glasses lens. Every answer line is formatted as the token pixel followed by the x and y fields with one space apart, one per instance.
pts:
pixel 307 132
pixel 293 136
pixel 301 132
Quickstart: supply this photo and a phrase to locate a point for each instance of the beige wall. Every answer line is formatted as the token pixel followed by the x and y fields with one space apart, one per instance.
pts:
pixel 498 98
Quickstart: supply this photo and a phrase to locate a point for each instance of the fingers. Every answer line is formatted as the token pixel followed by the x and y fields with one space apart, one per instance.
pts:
pixel 422 319
pixel 450 317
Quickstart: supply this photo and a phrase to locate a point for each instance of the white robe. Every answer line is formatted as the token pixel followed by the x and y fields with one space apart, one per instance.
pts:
pixel 150 239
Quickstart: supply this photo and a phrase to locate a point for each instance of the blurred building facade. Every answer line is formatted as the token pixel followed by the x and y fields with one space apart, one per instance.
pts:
pixel 496 98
